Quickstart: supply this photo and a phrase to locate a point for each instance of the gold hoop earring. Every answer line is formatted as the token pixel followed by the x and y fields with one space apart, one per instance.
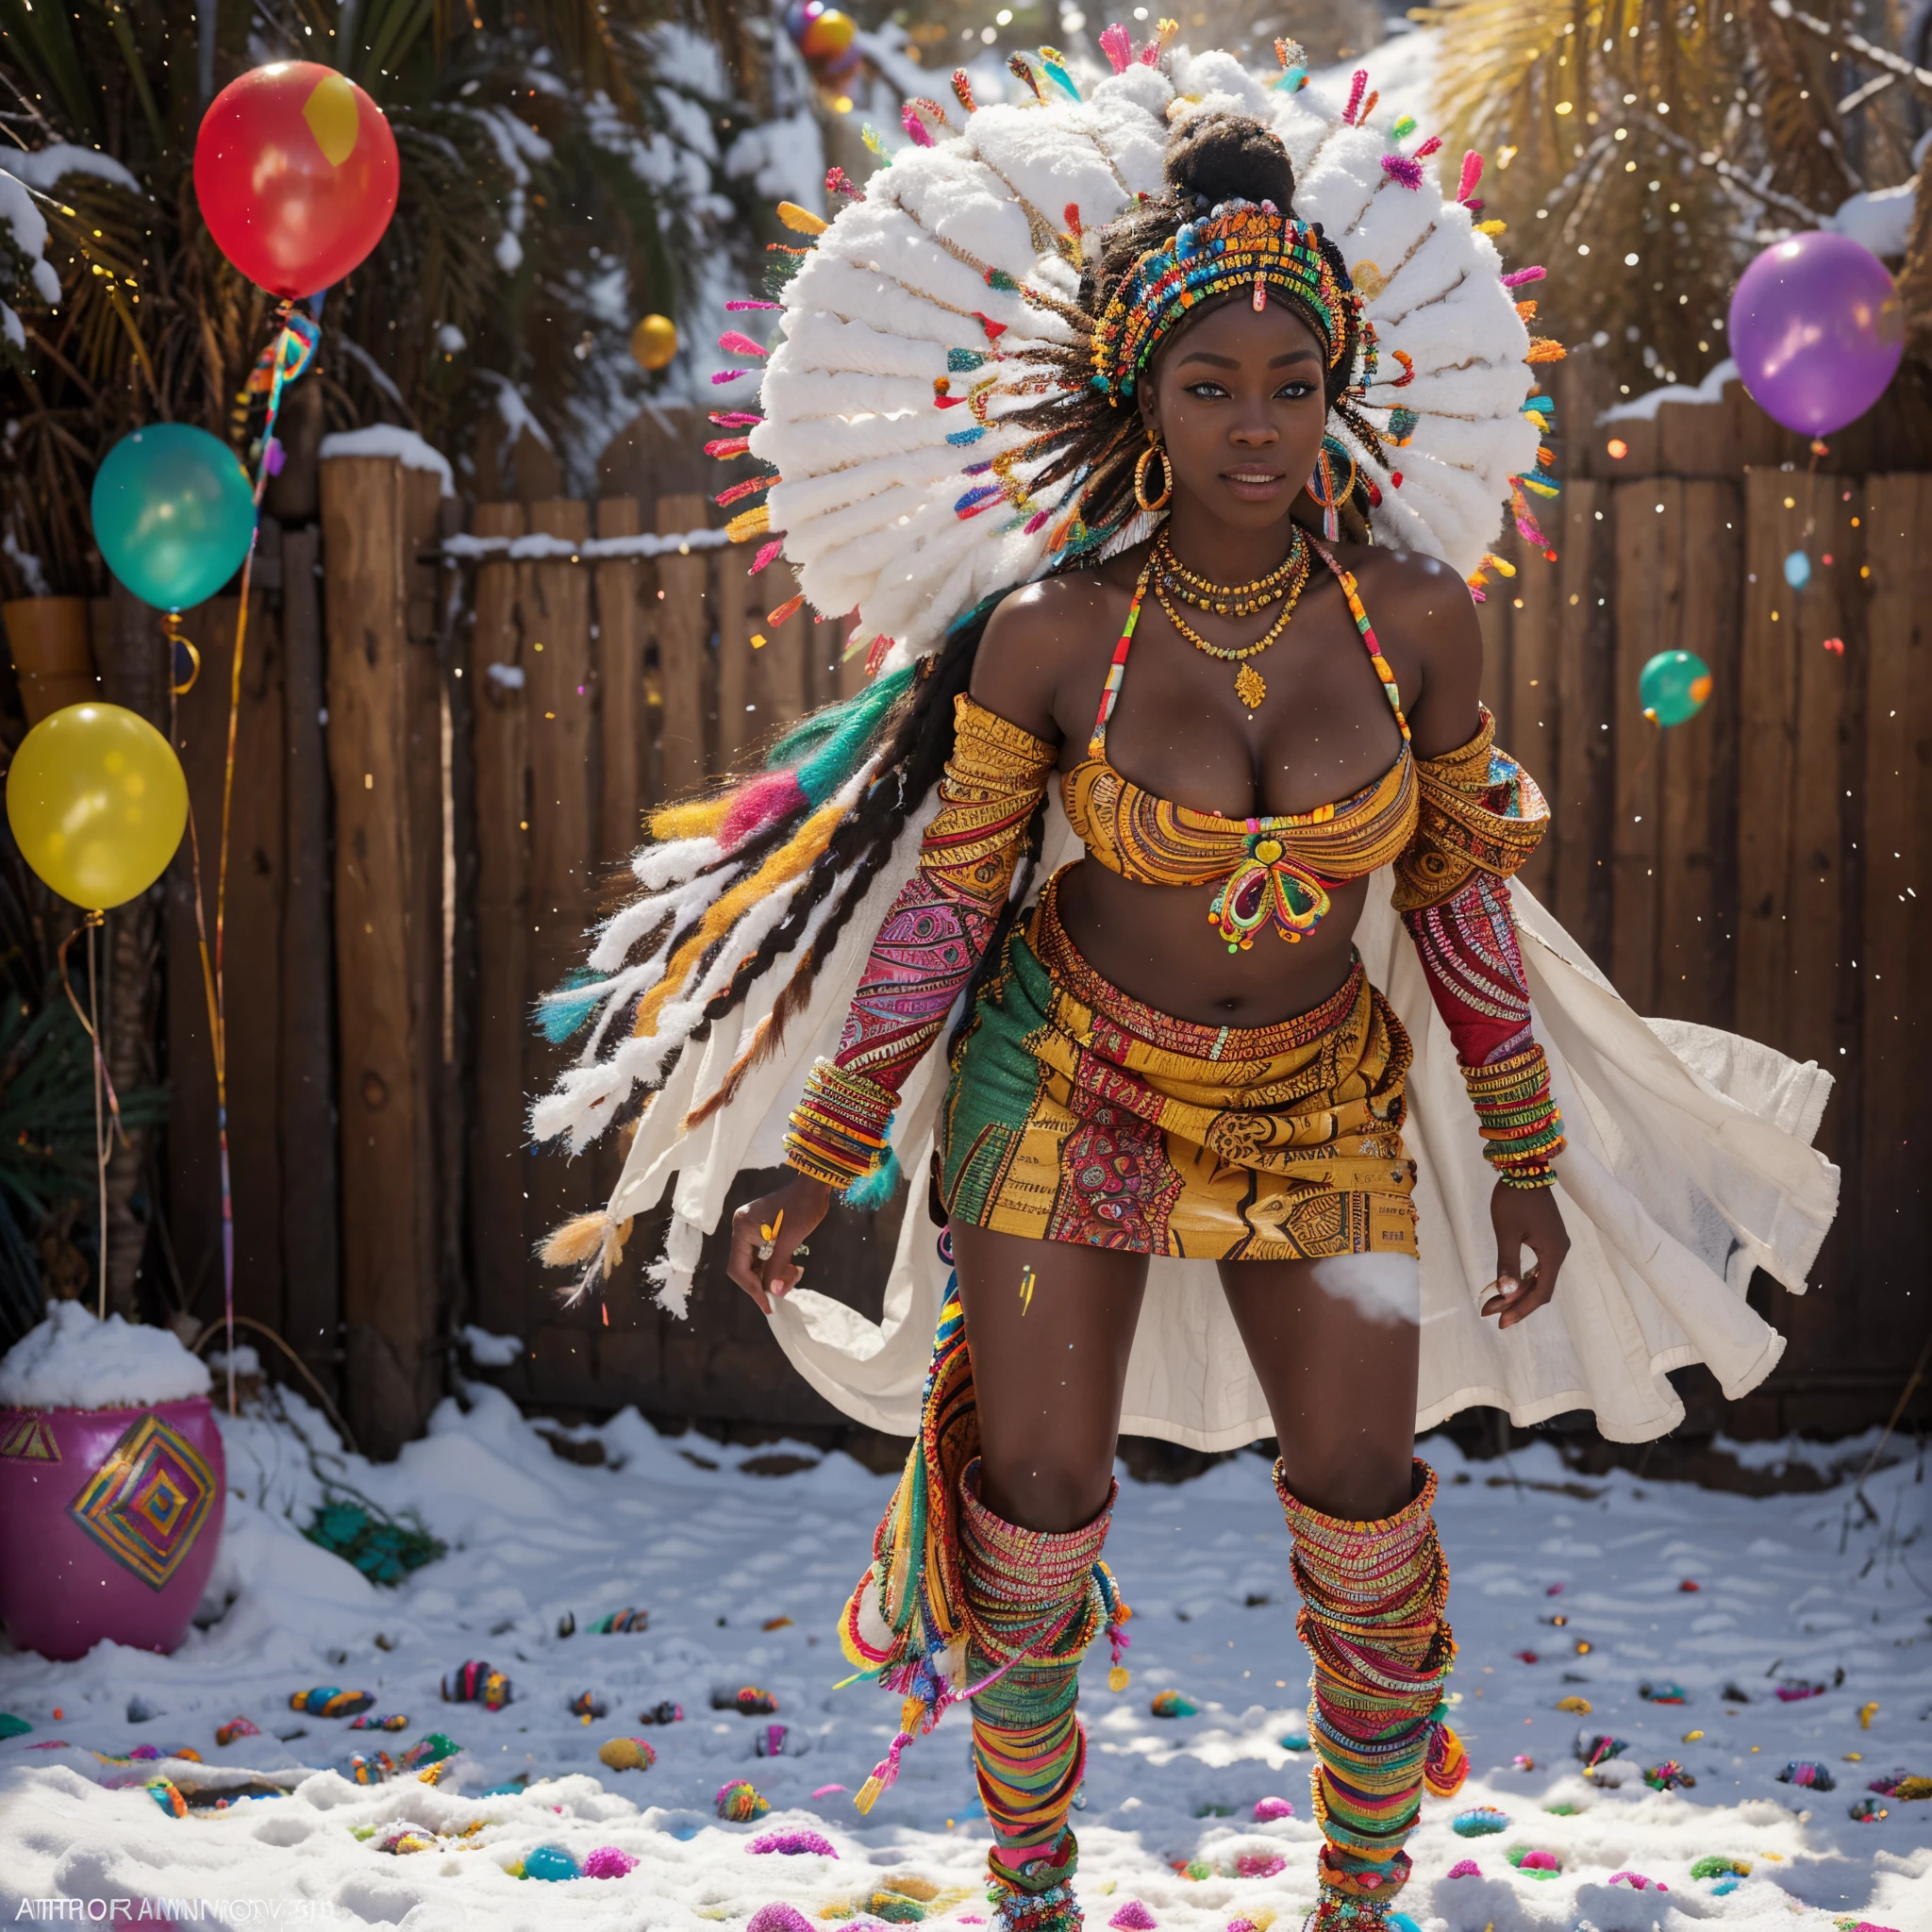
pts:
pixel 1153 449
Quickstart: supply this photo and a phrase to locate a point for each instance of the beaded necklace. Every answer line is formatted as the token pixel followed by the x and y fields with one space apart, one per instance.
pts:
pixel 1287 581
pixel 1230 600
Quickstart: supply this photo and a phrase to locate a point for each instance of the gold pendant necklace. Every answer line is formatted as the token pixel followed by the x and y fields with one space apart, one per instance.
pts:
pixel 1173 580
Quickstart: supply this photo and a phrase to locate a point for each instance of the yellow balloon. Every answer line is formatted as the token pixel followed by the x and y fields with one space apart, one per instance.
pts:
pixel 97 802
pixel 653 342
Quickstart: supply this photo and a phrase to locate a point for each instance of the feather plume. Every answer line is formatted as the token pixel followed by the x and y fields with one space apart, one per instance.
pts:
pixel 950 283
pixel 575 1241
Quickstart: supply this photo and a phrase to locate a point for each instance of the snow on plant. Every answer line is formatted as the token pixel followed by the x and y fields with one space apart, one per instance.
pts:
pixel 25 229
pixel 518 145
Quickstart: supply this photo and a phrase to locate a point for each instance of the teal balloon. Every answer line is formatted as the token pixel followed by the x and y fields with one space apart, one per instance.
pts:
pixel 174 514
pixel 1673 686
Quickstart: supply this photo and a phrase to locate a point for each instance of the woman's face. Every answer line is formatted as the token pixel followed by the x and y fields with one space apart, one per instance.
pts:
pixel 1235 395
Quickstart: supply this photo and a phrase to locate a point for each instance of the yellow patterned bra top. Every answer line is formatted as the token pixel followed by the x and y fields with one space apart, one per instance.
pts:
pixel 1269 870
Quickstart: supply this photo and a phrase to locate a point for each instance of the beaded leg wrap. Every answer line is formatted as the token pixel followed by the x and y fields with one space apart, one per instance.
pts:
pixel 1373 1598
pixel 1033 1612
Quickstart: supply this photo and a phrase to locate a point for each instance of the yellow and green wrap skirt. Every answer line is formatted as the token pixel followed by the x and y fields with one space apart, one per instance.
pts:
pixel 1075 1113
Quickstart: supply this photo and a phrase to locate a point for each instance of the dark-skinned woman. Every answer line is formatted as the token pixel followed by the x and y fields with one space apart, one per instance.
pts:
pixel 1204 646
pixel 1179 1052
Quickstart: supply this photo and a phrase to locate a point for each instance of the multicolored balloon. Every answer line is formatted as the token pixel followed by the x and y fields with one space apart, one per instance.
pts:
pixel 653 342
pixel 173 513
pixel 97 803
pixel 1818 330
pixel 1673 686
pixel 296 172
pixel 824 34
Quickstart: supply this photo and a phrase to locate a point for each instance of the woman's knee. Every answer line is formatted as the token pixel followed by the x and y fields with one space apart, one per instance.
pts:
pixel 1049 1487
pixel 1358 1481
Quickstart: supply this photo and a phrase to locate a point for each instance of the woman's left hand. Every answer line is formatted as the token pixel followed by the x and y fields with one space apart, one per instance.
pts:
pixel 1525 1218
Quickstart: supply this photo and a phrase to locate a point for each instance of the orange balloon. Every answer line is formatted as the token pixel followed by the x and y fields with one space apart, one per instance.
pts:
pixel 827 35
pixel 653 342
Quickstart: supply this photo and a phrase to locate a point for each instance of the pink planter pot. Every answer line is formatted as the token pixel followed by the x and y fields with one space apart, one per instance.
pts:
pixel 109 1521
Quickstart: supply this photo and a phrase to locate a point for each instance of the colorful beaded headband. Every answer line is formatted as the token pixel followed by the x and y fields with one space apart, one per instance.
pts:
pixel 1241 243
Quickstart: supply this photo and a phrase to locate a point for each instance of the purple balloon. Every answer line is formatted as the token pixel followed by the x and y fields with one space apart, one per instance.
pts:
pixel 1818 330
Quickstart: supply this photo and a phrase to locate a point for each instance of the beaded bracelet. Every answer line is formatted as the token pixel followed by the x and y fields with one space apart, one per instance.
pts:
pixel 836 1132
pixel 1522 1127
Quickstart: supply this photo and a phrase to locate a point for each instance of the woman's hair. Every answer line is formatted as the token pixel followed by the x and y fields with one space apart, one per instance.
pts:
pixel 1082 436
pixel 1081 432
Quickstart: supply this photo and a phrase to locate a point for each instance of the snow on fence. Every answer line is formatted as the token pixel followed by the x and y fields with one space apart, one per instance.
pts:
pixel 486 720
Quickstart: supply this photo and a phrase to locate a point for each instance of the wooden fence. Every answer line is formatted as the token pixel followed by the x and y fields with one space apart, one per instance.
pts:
pixel 1756 868
pixel 484 734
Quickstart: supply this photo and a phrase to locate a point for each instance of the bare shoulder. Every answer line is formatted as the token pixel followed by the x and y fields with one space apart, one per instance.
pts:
pixel 1418 593
pixel 1042 635
pixel 1425 622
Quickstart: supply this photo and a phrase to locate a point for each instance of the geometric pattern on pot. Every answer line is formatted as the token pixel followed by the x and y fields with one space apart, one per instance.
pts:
pixel 146 1502
pixel 25 1436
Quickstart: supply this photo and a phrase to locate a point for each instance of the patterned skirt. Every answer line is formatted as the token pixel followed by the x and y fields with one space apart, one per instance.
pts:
pixel 1078 1114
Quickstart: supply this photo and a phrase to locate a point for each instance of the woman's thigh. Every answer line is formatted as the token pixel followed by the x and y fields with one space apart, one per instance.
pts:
pixel 1049 1326
pixel 1336 1346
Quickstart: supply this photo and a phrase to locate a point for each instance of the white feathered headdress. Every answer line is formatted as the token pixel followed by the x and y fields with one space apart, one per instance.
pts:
pixel 901 493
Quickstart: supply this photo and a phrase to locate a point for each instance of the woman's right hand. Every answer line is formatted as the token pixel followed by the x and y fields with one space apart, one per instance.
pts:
pixel 790 1212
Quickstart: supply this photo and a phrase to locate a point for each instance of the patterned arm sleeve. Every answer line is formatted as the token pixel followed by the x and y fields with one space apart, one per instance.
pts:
pixel 1482 817
pixel 929 947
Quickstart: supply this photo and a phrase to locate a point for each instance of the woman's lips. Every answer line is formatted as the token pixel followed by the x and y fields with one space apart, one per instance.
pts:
pixel 1255 485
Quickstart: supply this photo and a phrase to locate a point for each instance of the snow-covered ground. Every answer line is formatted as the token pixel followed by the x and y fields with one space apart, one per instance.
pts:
pixel 741 1573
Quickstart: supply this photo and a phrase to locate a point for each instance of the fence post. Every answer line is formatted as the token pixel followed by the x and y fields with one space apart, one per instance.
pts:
pixel 1585 755
pixel 375 517
pixel 733 592
pixel 133 664
pixel 682 632
pixel 620 659
pixel 1895 947
pixel 311 1231
pixel 499 1237
pixel 778 677
pixel 251 972
pixel 556 609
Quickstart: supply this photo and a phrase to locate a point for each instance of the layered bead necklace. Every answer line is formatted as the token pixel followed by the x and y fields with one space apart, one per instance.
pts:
pixel 1174 583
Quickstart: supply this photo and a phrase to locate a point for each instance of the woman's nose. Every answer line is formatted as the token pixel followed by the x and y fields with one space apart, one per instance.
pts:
pixel 1254 427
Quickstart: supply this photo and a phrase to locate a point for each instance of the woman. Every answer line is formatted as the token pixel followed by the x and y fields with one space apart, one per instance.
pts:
pixel 1308 758
pixel 1175 1050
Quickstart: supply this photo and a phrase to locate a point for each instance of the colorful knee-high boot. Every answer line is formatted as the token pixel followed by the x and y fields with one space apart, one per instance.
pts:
pixel 1373 1598
pixel 1034 1607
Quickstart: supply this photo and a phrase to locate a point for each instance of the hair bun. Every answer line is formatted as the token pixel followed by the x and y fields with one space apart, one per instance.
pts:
pixel 1217 158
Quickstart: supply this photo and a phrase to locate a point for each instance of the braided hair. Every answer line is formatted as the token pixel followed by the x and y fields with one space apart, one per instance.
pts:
pixel 1079 433
pixel 773 851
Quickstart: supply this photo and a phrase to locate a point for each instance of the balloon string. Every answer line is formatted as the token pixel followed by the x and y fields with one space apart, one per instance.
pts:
pixel 289 356
pixel 103 1081
pixel 214 1030
pixel 103 1143
pixel 1650 745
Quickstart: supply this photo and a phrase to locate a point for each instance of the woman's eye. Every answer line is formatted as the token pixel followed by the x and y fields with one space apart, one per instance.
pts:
pixel 1206 388
pixel 1295 391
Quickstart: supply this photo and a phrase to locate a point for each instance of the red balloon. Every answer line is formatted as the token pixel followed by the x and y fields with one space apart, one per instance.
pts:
pixel 296 172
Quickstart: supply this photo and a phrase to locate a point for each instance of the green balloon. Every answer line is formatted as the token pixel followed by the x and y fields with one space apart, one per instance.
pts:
pixel 174 514
pixel 1673 686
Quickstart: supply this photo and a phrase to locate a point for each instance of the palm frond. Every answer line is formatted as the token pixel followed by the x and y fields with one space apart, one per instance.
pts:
pixel 1644 151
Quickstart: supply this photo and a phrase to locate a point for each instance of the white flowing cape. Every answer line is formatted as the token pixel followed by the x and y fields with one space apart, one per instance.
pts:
pixel 1688 1165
